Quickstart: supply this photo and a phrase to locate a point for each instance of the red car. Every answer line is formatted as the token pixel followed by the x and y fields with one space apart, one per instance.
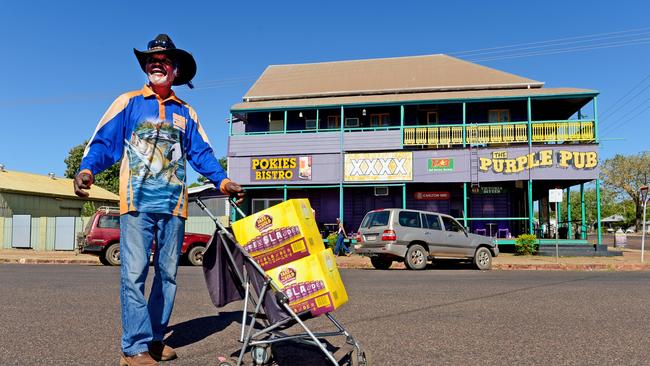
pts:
pixel 101 237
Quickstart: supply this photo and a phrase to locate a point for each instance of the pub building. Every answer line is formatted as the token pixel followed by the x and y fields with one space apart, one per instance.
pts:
pixel 429 132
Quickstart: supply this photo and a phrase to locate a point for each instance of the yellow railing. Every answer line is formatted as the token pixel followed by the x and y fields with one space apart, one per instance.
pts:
pixel 500 133
pixel 560 131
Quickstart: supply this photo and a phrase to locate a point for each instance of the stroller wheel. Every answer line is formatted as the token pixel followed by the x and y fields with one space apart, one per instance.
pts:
pixel 359 359
pixel 223 361
pixel 261 355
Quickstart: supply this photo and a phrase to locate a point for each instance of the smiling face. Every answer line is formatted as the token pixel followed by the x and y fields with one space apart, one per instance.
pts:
pixel 160 70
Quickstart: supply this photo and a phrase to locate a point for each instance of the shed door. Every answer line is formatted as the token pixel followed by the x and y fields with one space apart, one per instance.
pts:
pixel 64 233
pixel 21 231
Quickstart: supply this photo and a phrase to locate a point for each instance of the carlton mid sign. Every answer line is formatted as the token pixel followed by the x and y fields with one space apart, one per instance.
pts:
pixel 578 160
pixel 395 166
pixel 280 168
pixel 432 196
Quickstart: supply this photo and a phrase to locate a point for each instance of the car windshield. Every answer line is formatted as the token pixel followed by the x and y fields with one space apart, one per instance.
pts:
pixel 377 218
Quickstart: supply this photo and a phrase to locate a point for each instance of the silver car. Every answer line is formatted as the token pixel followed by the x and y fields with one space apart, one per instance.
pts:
pixel 414 237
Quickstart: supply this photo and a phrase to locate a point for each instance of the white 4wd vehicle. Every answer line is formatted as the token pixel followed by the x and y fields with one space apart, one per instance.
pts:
pixel 414 237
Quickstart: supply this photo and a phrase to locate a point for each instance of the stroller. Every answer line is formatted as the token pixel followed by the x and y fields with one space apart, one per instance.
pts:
pixel 231 274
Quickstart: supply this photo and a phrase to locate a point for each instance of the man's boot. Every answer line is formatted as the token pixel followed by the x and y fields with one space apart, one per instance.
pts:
pixel 161 352
pixel 141 359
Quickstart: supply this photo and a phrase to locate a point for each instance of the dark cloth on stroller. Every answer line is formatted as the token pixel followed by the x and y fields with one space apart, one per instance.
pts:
pixel 225 286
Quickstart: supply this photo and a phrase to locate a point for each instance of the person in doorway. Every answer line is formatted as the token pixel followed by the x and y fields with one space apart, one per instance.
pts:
pixel 154 134
pixel 341 235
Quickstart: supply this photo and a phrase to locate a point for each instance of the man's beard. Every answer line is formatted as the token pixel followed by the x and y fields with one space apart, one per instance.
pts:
pixel 158 79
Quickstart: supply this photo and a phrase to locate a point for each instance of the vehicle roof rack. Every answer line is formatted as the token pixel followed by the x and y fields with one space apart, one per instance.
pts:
pixel 108 209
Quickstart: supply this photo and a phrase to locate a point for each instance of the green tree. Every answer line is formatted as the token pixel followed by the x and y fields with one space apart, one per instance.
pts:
pixel 609 205
pixel 109 179
pixel 624 175
pixel 201 180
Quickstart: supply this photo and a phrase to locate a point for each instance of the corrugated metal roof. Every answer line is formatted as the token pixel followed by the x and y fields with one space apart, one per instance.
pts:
pixel 412 97
pixel 12 181
pixel 380 76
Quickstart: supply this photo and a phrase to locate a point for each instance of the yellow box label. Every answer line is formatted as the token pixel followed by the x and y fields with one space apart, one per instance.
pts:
pixel 280 234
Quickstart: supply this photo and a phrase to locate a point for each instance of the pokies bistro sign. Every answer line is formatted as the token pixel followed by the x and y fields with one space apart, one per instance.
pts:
pixel 393 166
pixel 280 168
pixel 579 160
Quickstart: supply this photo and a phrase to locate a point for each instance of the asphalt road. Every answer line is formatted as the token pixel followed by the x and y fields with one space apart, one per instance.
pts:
pixel 69 315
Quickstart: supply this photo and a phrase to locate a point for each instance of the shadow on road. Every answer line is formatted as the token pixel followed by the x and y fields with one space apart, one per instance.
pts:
pixel 195 330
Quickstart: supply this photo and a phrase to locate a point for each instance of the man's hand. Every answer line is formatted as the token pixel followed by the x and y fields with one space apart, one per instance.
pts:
pixel 82 181
pixel 234 190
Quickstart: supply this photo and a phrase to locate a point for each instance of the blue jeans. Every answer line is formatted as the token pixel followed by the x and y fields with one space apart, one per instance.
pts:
pixel 142 321
pixel 340 246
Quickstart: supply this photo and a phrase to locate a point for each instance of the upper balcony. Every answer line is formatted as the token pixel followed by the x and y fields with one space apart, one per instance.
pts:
pixel 416 126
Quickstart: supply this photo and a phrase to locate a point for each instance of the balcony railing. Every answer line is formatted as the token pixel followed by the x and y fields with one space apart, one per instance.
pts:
pixel 500 133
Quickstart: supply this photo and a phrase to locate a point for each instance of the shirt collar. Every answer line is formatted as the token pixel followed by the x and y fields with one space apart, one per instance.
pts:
pixel 148 92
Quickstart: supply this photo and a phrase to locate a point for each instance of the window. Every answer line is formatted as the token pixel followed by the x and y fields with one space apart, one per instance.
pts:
pixel 433 222
pixel 276 125
pixel 377 218
pixel 260 204
pixel 451 224
pixel 379 120
pixel 109 222
pixel 499 115
pixel 432 118
pixel 333 121
pixel 381 191
pixel 409 219
pixel 351 122
pixel 311 124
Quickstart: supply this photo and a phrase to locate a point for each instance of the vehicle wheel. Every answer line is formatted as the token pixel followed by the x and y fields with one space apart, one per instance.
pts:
pixel 416 257
pixel 112 254
pixel 195 255
pixel 483 258
pixel 380 263
pixel 102 260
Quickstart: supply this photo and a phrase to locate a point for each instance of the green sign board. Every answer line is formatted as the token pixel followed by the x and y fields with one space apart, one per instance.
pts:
pixel 441 165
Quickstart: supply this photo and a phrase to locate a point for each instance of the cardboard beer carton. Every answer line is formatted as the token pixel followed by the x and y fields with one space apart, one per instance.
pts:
pixel 312 283
pixel 280 234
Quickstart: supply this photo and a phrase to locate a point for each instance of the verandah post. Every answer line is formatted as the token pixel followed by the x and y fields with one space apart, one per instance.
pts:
pixel 464 201
pixel 600 234
pixel 530 207
pixel 568 214
pixel 583 229
pixel 464 128
pixel 530 128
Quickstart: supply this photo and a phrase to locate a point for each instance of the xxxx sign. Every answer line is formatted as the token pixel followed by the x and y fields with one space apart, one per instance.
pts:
pixel 396 166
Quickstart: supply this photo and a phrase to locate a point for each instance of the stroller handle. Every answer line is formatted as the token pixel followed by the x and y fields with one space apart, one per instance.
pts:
pixel 222 228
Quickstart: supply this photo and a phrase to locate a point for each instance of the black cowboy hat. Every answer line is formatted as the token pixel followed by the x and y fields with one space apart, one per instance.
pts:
pixel 162 44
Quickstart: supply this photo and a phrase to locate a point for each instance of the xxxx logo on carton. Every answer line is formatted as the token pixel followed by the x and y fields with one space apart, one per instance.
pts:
pixel 263 222
pixel 287 275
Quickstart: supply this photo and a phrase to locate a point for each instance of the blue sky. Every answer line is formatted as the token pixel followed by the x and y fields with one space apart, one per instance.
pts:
pixel 64 62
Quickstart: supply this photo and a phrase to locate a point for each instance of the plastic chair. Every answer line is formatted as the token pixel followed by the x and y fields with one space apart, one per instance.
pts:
pixel 504 232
